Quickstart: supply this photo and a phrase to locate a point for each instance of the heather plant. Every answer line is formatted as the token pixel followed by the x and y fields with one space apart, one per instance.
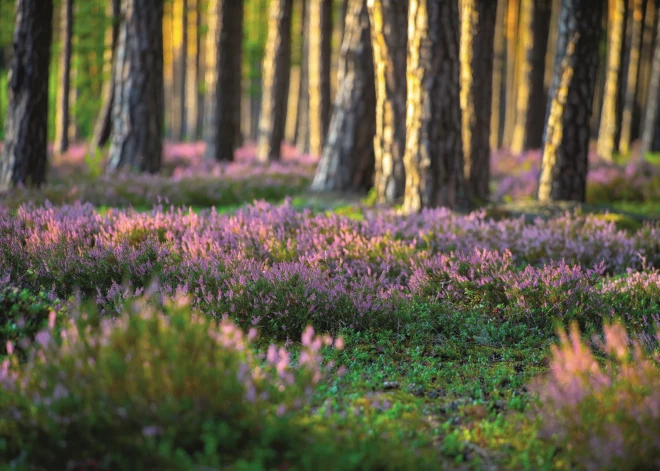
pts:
pixel 602 416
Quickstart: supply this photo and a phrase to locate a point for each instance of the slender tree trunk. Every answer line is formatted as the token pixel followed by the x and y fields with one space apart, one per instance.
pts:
pixel 223 79
pixel 183 70
pixel 651 125
pixel 645 65
pixel 138 106
pixel 477 34
pixel 632 76
pixel 434 151
pixel 302 131
pixel 389 38
pixel 608 120
pixel 348 159
pixel 275 81
pixel 512 46
pixel 566 143
pixel 498 77
pixel 25 149
pixel 201 68
pixel 64 82
pixel 531 99
pixel 192 73
pixel 320 35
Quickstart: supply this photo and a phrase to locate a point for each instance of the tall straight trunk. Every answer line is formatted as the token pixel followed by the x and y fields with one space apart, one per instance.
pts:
pixel 512 46
pixel 319 31
pixel 201 67
pixel 477 35
pixel 348 158
pixel 183 69
pixel 139 91
pixel 64 79
pixel 223 79
pixel 608 121
pixel 566 142
pixel 103 127
pixel 531 99
pixel 651 124
pixel 276 65
pixel 25 149
pixel 302 128
pixel 389 39
pixel 645 66
pixel 168 68
pixel 434 150
pixel 192 72
pixel 632 76
pixel 498 77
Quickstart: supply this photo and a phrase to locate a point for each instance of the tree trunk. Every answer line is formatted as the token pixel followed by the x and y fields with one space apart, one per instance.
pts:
pixel 103 127
pixel 64 79
pixel 223 79
pixel 531 99
pixel 651 125
pixel 192 74
pixel 302 128
pixel 139 90
pixel 389 38
pixel 25 150
pixel 275 81
pixel 183 70
pixel 434 152
pixel 477 35
pixel 497 115
pixel 608 120
pixel 319 32
pixel 512 46
pixel 632 76
pixel 348 157
pixel 566 142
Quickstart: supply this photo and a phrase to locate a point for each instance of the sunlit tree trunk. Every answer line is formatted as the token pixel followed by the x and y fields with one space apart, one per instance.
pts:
pixel 531 99
pixel 64 79
pixel 389 33
pixel 25 148
pixel 138 105
pixel 477 34
pixel 512 46
pixel 223 79
pixel 275 81
pixel 434 152
pixel 319 32
pixel 651 124
pixel 192 104
pixel 498 77
pixel 103 127
pixel 566 142
pixel 302 126
pixel 632 76
pixel 348 159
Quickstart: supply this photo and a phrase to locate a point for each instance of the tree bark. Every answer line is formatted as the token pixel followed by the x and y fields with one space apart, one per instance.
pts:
pixel 566 142
pixel 389 38
pixel 632 76
pixel 64 79
pixel 512 46
pixel 319 32
pixel 531 99
pixel 25 149
pixel 183 70
pixel 348 157
pixel 192 74
pixel 275 81
pixel 223 79
pixel 651 125
pixel 434 151
pixel 477 39
pixel 138 112
pixel 302 116
pixel 103 127
pixel 499 82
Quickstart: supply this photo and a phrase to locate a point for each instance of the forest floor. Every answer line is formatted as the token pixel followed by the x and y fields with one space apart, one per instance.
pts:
pixel 447 320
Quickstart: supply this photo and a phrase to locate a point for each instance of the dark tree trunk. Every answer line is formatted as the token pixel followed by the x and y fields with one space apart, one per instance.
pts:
pixel 434 151
pixel 499 84
pixel 389 38
pixel 103 127
pixel 566 142
pixel 348 156
pixel 64 79
pixel 302 126
pixel 25 150
pixel 512 47
pixel 319 32
pixel 276 66
pixel 192 103
pixel 651 125
pixel 183 70
pixel 531 99
pixel 138 112
pixel 223 79
pixel 477 35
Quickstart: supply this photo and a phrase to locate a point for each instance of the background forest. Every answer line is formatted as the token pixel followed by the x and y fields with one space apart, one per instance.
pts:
pixel 329 234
